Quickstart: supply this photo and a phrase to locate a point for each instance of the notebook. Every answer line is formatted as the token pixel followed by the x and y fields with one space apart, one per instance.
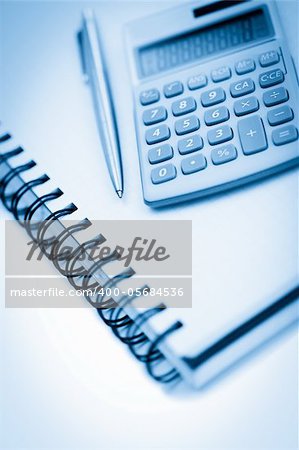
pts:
pixel 173 343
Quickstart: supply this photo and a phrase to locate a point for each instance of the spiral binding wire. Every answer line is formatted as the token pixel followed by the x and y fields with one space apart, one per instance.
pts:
pixel 17 196
pixel 112 313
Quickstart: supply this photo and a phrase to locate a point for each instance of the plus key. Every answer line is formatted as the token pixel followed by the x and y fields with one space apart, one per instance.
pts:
pixel 252 135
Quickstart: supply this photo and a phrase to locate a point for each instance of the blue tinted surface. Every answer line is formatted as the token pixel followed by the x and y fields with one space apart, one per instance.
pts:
pixel 65 381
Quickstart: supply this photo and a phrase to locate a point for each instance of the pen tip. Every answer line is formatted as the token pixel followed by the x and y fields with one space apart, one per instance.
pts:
pixel 119 193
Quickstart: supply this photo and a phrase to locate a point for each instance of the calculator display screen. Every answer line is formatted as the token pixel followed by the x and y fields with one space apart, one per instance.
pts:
pixel 204 42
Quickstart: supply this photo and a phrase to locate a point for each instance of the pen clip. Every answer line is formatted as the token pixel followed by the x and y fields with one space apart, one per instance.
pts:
pixel 82 54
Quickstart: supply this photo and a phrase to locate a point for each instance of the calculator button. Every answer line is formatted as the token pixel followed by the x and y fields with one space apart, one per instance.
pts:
pixel 160 154
pixel 285 135
pixel 246 105
pixel 157 134
pixel 149 96
pixel 219 135
pixel 242 87
pixel 245 66
pixel 184 126
pixel 281 115
pixel 184 106
pixel 271 78
pixel 163 174
pixel 191 144
pixel 252 135
pixel 216 115
pixel 173 89
pixel 210 98
pixel 221 155
pixel 154 115
pixel 193 164
pixel 269 58
pixel 221 74
pixel 275 96
pixel 198 81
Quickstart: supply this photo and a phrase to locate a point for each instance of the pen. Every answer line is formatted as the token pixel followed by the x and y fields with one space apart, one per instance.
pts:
pixel 95 74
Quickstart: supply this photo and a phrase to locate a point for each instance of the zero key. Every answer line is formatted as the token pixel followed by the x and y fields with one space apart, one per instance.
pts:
pixel 252 135
pixel 163 174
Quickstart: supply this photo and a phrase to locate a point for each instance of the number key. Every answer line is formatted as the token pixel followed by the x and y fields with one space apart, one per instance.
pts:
pixel 210 98
pixel 183 106
pixel 220 135
pixel 157 134
pixel 155 115
pixel 184 126
pixel 160 154
pixel 163 174
pixel 216 115
pixel 189 145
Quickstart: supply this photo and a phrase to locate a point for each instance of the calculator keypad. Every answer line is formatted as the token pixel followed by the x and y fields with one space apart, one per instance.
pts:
pixel 216 124
pixel 157 134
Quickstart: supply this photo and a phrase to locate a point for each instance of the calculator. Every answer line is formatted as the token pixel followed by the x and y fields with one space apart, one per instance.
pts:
pixel 215 98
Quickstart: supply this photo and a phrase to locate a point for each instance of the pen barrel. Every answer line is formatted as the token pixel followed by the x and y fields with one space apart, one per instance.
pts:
pixel 102 99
